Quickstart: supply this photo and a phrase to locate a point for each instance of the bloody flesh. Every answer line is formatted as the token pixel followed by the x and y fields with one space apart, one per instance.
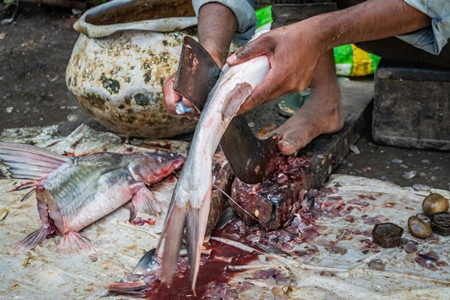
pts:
pixel 214 274
pixel 300 228
pixel 270 202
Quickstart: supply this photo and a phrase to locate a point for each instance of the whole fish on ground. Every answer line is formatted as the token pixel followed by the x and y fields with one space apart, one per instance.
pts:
pixel 74 192
pixel 190 201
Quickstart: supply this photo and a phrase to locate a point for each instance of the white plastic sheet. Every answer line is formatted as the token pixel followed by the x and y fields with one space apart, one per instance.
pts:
pixel 41 273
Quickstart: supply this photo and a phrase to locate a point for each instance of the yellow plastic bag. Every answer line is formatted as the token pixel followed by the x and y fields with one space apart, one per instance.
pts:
pixel 353 61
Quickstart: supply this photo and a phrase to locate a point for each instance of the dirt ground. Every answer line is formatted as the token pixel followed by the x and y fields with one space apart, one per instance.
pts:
pixel 34 52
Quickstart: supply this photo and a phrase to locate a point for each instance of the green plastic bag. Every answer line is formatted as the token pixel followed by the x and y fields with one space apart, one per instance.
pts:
pixel 264 16
pixel 353 61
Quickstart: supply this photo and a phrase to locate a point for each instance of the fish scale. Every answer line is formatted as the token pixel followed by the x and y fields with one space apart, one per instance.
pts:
pixel 79 181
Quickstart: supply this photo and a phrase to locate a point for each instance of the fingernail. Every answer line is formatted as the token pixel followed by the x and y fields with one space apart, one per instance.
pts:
pixel 232 59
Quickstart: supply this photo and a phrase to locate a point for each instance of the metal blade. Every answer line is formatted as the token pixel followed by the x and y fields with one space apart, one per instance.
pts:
pixel 197 74
pixel 249 156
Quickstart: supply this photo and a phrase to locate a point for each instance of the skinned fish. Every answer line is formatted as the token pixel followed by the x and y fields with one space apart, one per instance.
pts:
pixel 74 192
pixel 190 203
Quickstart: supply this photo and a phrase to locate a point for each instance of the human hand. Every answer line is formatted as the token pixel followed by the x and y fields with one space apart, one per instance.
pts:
pixel 216 27
pixel 293 52
pixel 172 99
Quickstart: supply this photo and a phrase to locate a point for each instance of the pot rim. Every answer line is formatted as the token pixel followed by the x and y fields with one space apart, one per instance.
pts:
pixel 157 25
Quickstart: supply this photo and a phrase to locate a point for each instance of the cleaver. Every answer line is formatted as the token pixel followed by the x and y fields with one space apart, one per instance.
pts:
pixel 196 75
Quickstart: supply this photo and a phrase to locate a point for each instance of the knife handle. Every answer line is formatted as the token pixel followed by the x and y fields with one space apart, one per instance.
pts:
pixel 182 108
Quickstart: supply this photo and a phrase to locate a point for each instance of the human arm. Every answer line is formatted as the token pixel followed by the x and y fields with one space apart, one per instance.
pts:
pixel 431 39
pixel 294 50
pixel 216 26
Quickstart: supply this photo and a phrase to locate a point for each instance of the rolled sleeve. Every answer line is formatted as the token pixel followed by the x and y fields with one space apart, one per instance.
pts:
pixel 244 13
pixel 433 38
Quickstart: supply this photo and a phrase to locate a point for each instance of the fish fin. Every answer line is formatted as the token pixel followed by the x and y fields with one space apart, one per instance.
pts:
pixel 28 195
pixel 135 288
pixel 145 263
pixel 197 220
pixel 133 211
pixel 31 240
pixel 171 239
pixel 22 161
pixel 226 217
pixel 4 171
pixel 143 200
pixel 73 242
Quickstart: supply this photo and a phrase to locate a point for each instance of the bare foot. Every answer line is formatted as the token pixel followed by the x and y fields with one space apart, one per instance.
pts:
pixel 322 112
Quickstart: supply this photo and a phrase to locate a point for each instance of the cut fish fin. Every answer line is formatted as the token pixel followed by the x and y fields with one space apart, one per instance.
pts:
pixel 143 200
pixel 171 238
pixel 29 150
pixel 28 195
pixel 227 216
pixel 128 288
pixel 133 211
pixel 22 161
pixel 31 240
pixel 24 186
pixel 4 171
pixel 73 242
pixel 197 219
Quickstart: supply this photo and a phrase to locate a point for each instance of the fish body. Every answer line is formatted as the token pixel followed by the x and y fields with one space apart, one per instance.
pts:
pixel 74 192
pixel 190 201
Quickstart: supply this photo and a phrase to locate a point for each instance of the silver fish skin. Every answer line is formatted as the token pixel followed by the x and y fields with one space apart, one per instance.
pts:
pixel 190 201
pixel 74 192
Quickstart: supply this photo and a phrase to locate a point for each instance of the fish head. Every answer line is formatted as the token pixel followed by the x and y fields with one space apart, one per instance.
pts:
pixel 152 167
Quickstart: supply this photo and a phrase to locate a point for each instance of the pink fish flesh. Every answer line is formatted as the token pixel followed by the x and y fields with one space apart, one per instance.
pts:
pixel 190 202
pixel 73 192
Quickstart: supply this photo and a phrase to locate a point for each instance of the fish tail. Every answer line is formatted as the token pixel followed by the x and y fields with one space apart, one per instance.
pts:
pixel 73 242
pixel 171 239
pixel 22 161
pixel 190 211
pixel 197 220
pixel 31 240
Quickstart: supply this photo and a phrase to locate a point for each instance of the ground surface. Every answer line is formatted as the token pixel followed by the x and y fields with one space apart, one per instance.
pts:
pixel 34 52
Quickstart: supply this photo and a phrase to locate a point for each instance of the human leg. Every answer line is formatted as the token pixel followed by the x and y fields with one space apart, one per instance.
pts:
pixel 322 112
